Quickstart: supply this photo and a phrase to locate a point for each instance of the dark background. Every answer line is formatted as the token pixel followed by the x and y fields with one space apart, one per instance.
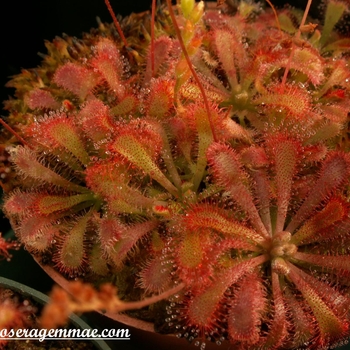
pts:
pixel 24 25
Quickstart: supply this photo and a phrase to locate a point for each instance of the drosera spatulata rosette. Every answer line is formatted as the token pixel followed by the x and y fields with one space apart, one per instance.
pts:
pixel 208 149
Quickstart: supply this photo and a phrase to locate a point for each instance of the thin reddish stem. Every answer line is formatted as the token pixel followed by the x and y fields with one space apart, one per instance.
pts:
pixel 187 57
pixel 297 36
pixel 306 12
pixel 275 13
pixel 14 133
pixel 116 22
pixel 132 305
pixel 152 34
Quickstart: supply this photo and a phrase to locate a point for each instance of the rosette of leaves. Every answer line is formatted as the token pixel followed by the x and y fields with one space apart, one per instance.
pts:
pixel 215 156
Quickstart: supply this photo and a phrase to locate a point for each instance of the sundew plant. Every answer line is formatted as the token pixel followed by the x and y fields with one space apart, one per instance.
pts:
pixel 194 146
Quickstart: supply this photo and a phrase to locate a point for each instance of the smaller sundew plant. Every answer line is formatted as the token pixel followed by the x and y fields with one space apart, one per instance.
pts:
pixel 207 148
